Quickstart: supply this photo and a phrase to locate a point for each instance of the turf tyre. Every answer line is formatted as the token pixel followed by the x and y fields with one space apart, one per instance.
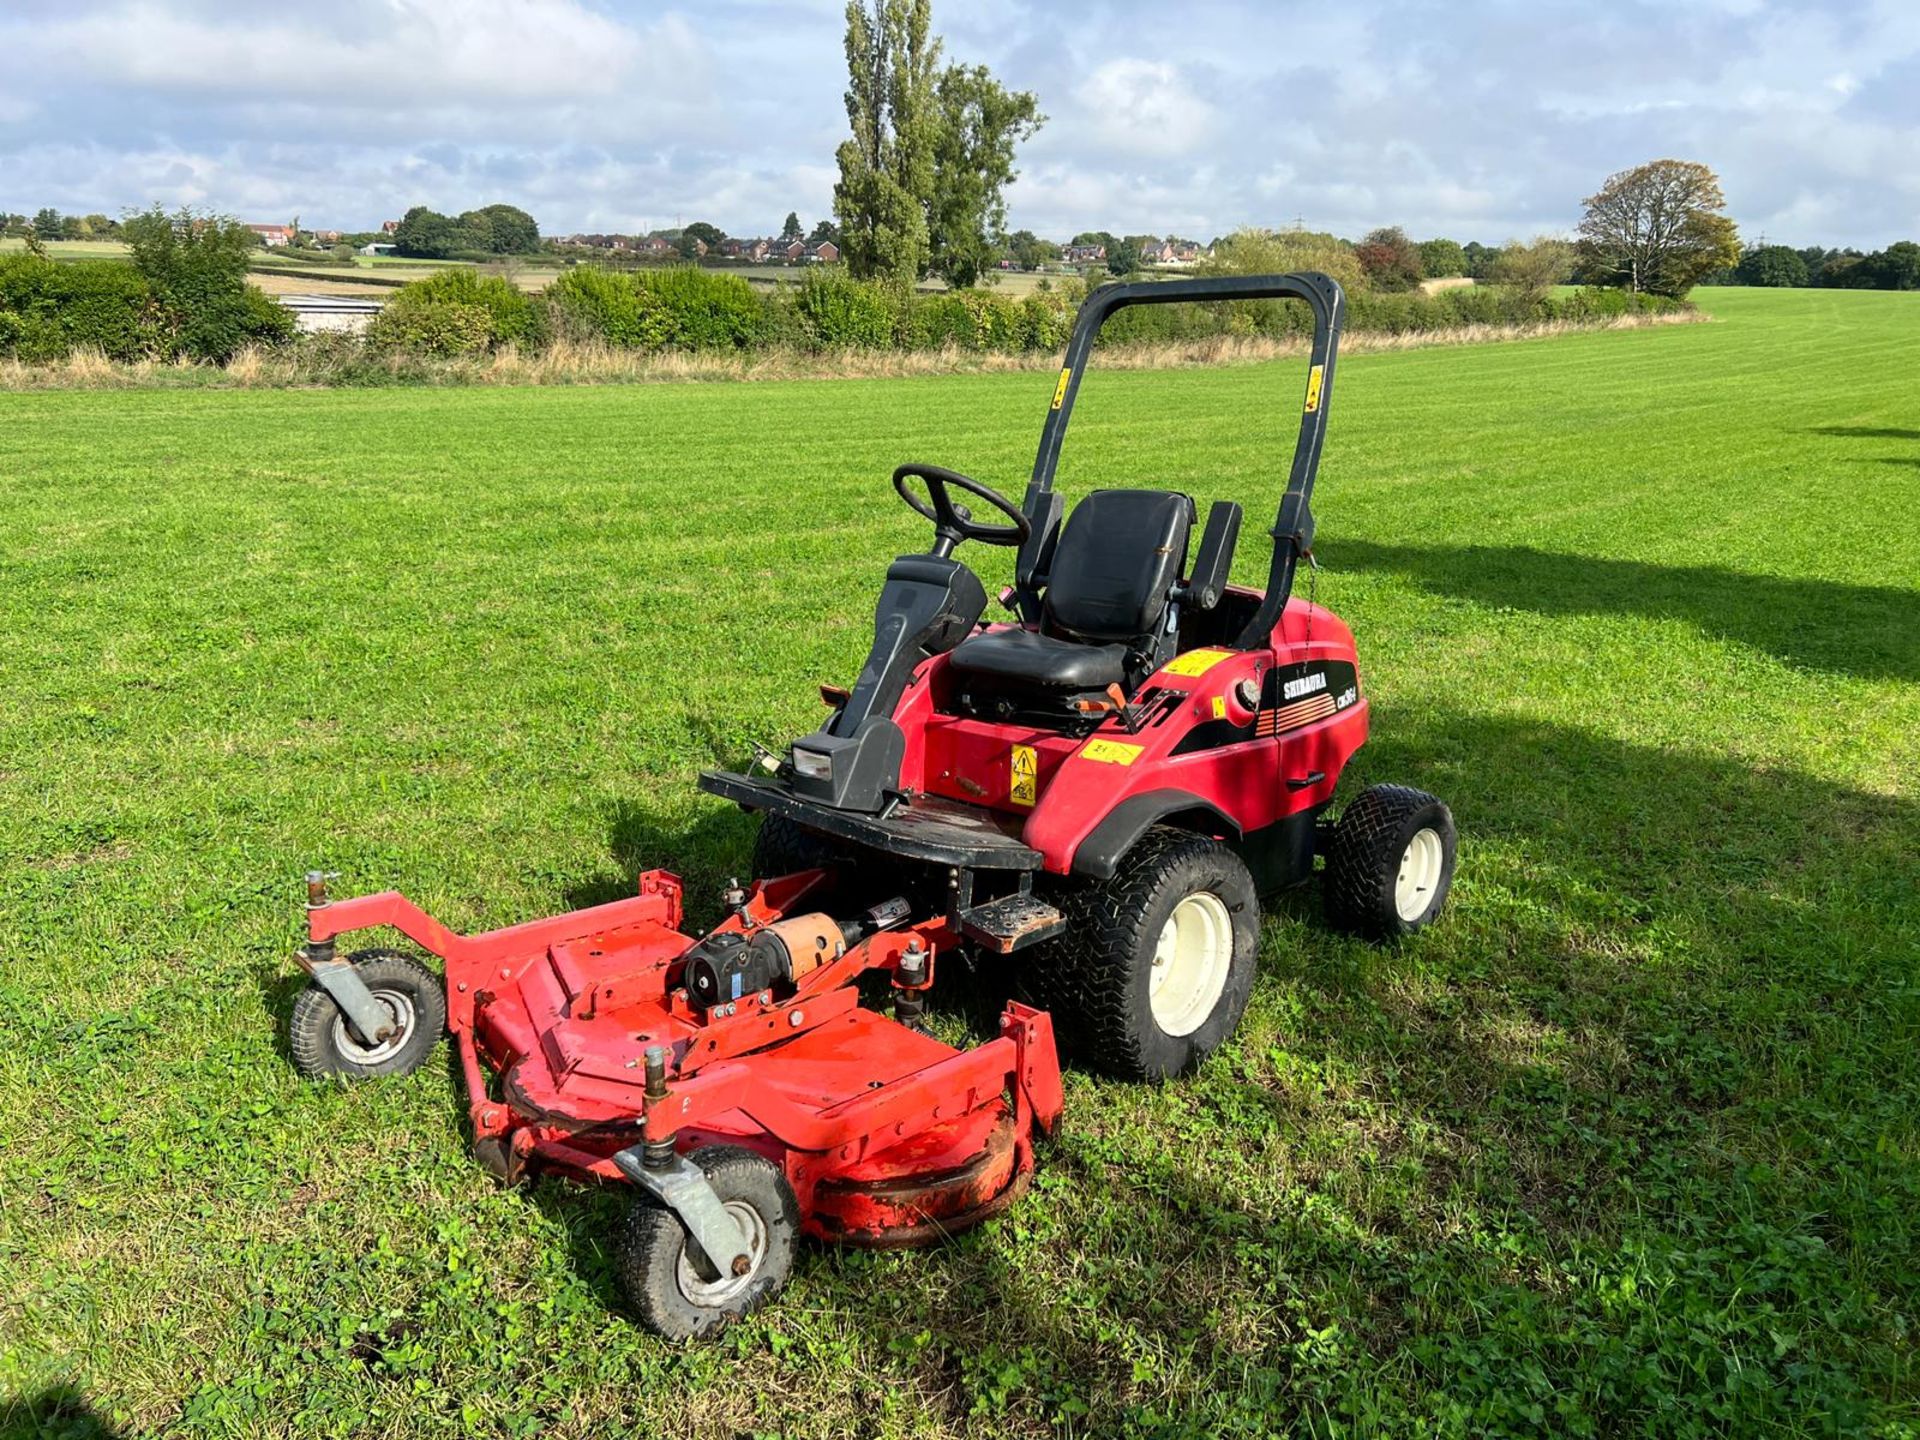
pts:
pixel 782 847
pixel 1097 978
pixel 650 1251
pixel 1373 845
pixel 323 1044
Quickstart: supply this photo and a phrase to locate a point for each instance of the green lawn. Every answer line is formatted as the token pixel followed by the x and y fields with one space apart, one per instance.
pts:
pixel 1629 1144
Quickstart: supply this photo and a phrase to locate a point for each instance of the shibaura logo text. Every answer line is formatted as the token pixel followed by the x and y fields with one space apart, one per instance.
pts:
pixel 1305 685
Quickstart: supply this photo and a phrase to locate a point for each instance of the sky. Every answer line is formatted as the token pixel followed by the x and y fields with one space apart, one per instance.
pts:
pixel 1189 117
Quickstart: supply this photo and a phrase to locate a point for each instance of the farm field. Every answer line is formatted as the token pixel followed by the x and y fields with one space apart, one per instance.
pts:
pixel 1628 1144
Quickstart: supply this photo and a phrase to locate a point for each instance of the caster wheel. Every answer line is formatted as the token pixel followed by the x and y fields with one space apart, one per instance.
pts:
pixel 1390 864
pixel 667 1292
pixel 324 1044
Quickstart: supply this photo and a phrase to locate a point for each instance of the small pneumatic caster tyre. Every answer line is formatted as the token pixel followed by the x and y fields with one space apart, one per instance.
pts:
pixel 660 1281
pixel 324 1044
pixel 1390 863
pixel 1156 964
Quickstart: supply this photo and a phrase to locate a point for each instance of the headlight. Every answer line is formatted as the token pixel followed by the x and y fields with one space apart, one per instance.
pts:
pixel 813 764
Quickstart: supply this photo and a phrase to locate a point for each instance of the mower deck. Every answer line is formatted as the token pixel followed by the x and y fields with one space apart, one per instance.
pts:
pixel 887 1135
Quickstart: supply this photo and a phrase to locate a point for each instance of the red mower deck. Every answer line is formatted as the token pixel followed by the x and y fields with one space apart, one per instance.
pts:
pixel 885 1135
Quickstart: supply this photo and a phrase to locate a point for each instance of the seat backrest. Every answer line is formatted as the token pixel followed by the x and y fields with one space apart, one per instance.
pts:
pixel 1119 555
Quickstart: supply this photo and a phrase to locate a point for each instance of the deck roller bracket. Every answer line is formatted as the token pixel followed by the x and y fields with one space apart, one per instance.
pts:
pixel 715 1245
pixel 368 1017
pixel 371 1021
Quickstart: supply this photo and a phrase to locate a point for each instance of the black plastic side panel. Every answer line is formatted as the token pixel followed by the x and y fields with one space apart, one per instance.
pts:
pixel 1281 856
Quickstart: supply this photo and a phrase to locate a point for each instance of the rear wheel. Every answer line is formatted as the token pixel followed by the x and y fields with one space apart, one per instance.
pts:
pixel 1155 966
pixel 1390 865
pixel 661 1282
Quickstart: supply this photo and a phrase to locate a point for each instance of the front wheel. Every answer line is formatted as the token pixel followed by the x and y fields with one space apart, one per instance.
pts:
pixel 1390 865
pixel 324 1044
pixel 665 1289
pixel 1155 967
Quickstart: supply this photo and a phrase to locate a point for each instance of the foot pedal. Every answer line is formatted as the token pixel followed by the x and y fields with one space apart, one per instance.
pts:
pixel 1014 923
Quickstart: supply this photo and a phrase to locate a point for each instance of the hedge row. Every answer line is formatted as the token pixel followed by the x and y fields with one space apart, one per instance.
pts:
pixel 48 310
pixel 692 309
pixel 1378 314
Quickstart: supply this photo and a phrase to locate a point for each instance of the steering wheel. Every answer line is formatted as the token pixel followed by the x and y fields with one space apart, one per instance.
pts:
pixel 953 523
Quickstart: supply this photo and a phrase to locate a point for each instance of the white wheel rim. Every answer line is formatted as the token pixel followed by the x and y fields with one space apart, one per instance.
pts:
pixel 1419 878
pixel 715 1293
pixel 400 1006
pixel 1190 963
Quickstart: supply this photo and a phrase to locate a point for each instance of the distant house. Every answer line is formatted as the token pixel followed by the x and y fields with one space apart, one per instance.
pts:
pixel 649 245
pixel 326 237
pixel 1084 254
pixel 273 236
pixel 792 250
pixel 825 253
pixel 388 227
pixel 745 249
pixel 375 248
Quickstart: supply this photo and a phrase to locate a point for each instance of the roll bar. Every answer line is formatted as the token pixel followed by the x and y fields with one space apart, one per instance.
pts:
pixel 1293 526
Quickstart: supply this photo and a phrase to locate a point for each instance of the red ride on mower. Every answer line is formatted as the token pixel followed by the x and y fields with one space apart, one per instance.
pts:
pixel 1102 786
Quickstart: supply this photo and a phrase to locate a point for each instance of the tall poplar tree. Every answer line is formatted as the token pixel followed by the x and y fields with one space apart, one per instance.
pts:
pixel 886 168
pixel 923 175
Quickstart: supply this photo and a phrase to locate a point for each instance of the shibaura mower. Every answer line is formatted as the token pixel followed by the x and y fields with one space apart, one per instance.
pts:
pixel 1100 787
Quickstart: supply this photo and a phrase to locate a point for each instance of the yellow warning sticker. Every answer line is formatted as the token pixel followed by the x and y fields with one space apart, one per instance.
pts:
pixel 1026 776
pixel 1195 662
pixel 1060 390
pixel 1219 707
pixel 1314 378
pixel 1111 751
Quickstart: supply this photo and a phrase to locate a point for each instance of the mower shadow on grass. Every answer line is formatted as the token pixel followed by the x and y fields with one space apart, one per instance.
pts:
pixel 60 1412
pixel 1867 432
pixel 1861 630
pixel 715 847
pixel 1655 1065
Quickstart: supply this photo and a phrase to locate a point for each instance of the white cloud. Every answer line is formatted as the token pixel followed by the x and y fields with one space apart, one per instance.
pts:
pixel 1144 107
pixel 475 53
pixel 1192 118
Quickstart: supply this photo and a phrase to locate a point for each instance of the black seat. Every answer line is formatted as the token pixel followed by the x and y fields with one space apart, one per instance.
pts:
pixel 1120 555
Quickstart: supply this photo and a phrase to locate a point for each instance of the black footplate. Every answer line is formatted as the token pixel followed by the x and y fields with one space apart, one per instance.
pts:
pixel 1014 923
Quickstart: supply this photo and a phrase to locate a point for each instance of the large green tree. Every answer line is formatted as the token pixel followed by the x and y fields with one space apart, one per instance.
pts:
pixel 699 233
pixel 1659 227
pixel 981 122
pixel 1772 265
pixel 1442 258
pixel 426 234
pixel 922 177
pixel 503 229
pixel 886 166
pixel 793 229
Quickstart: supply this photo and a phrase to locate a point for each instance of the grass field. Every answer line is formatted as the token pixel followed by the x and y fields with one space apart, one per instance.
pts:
pixel 1630 1144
